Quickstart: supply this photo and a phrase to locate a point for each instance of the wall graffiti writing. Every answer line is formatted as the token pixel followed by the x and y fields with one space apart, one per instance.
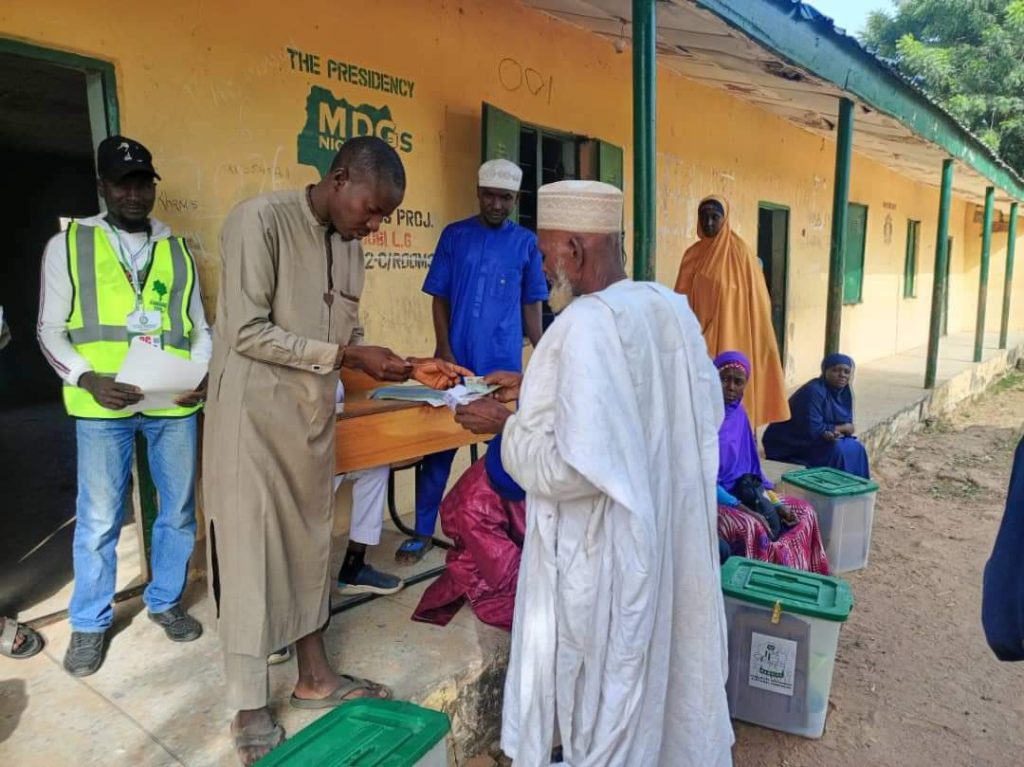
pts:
pixel 257 169
pixel 513 76
pixel 391 260
pixel 176 204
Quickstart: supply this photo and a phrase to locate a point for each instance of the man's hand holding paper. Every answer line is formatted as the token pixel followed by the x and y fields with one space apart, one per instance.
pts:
pixel 508 385
pixel 195 397
pixel 482 416
pixel 108 392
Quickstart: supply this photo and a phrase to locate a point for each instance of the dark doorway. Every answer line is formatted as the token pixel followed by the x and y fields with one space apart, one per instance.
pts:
pixel 53 114
pixel 773 252
pixel 545 157
pixel 46 150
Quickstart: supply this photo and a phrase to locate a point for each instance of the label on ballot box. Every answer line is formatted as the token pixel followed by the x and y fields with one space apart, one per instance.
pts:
pixel 772 663
pixel 783 636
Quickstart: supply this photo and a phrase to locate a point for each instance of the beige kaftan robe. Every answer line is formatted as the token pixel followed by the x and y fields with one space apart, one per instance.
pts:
pixel 268 453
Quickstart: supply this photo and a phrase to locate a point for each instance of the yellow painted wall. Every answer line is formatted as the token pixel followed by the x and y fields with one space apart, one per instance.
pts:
pixel 971 272
pixel 215 93
pixel 751 157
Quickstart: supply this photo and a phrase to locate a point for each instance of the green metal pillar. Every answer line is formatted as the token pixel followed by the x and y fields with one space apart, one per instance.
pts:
pixel 840 203
pixel 1011 245
pixel 939 279
pixel 645 26
pixel 986 257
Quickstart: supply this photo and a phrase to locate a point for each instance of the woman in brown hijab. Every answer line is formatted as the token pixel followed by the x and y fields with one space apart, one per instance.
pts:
pixel 723 281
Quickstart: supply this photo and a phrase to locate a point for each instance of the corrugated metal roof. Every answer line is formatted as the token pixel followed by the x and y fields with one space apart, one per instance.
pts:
pixel 828 26
pixel 699 44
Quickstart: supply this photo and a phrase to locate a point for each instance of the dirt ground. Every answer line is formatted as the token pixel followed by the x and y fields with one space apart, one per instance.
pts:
pixel 915 683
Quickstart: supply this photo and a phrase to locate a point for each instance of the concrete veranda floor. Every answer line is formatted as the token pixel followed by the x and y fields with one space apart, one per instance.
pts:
pixel 158 703
pixel 893 384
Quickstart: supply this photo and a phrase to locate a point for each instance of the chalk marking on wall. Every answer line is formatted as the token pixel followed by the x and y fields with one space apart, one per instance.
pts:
pixel 513 76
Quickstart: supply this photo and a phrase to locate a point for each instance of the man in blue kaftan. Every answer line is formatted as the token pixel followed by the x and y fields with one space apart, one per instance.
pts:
pixel 487 283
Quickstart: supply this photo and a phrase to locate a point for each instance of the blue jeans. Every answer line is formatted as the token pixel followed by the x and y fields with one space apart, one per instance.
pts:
pixel 105 451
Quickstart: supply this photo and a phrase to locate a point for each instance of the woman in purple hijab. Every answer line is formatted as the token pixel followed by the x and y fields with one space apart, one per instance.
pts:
pixel 737 449
pixel 753 521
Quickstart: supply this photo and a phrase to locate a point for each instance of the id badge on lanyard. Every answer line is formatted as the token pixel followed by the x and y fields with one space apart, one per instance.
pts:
pixel 145 325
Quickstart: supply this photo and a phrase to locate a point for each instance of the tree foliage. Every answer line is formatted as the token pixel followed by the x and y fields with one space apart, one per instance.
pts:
pixel 969 55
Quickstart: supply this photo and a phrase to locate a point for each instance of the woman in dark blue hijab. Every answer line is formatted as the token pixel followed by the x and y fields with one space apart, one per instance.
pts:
pixel 820 430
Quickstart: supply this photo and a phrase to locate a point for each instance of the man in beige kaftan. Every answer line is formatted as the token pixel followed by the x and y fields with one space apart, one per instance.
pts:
pixel 287 320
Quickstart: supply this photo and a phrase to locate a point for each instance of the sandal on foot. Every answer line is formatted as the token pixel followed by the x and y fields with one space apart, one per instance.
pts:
pixel 343 694
pixel 268 740
pixel 31 640
pixel 413 550
pixel 280 656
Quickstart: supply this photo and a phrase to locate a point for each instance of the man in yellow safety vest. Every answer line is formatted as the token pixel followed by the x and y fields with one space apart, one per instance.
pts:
pixel 105 281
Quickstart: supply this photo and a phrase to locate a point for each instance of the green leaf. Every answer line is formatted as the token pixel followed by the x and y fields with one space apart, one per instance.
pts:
pixel 968 55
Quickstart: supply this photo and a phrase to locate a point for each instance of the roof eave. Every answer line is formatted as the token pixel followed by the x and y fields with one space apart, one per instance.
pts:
pixel 779 26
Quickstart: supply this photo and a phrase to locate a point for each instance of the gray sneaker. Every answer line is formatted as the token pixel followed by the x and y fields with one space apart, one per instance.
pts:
pixel 370 580
pixel 178 624
pixel 85 652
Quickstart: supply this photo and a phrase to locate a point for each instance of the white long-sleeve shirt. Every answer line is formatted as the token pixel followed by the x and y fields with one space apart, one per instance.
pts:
pixel 56 294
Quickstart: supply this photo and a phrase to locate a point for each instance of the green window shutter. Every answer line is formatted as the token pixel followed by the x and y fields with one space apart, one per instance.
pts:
pixel 609 164
pixel 910 263
pixel 856 238
pixel 500 135
pixel 500 139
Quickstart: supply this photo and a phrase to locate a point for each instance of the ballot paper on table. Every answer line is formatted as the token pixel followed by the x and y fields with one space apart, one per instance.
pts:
pixel 163 377
pixel 410 393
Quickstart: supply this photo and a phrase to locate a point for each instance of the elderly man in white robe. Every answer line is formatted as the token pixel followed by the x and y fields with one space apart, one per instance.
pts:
pixel 619 634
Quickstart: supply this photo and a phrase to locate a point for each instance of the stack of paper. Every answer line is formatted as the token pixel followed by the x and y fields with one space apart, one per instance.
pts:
pixel 162 376
pixel 410 393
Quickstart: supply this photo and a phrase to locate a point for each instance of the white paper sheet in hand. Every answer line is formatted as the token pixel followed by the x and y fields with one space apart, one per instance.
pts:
pixel 463 395
pixel 161 375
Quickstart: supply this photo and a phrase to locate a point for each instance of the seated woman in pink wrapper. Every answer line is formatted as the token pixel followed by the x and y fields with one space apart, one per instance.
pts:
pixel 752 521
pixel 485 516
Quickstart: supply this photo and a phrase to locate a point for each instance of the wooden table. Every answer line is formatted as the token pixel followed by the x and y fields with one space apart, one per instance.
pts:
pixel 384 432
pixel 372 432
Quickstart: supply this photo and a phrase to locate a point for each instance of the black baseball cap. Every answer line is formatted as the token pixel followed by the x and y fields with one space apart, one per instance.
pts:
pixel 118 156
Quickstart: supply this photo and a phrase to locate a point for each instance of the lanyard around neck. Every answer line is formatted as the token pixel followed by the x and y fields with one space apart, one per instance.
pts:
pixel 127 259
